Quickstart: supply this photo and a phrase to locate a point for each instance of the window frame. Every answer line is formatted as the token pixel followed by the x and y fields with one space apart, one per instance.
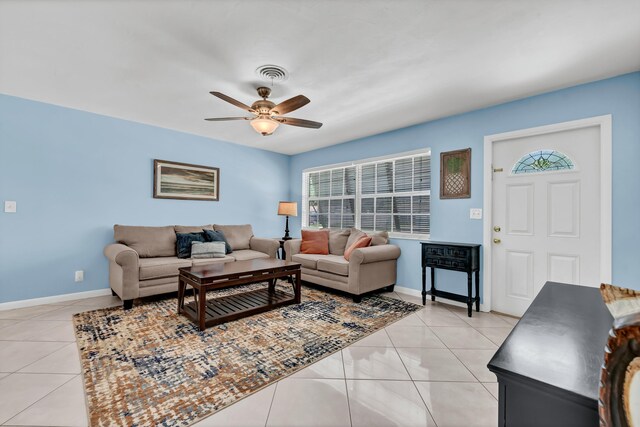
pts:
pixel 358 191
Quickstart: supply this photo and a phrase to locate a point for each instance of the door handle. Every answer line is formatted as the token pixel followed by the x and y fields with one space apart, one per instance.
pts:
pixel 496 229
pixel 496 241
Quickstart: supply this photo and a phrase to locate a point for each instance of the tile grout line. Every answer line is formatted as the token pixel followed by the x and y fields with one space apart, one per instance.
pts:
pixel 346 388
pixel 66 382
pixel 413 381
pixel 273 397
pixel 484 385
pixel 68 343
pixel 47 355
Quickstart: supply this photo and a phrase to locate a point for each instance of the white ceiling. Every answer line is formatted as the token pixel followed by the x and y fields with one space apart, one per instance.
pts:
pixel 367 66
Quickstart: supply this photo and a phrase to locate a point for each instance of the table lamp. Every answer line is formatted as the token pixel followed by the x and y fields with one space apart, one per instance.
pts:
pixel 287 209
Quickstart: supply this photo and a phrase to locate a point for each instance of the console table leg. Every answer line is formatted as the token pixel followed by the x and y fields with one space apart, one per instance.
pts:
pixel 424 285
pixel 272 285
pixel 470 296
pixel 433 283
pixel 478 290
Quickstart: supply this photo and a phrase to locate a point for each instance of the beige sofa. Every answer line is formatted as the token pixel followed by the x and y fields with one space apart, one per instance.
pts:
pixel 143 260
pixel 368 269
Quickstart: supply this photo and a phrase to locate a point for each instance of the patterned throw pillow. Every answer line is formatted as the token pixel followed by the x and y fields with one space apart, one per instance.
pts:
pixel 362 242
pixel 207 250
pixel 183 243
pixel 217 236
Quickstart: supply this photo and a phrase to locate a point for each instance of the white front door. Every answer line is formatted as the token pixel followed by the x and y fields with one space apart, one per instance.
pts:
pixel 545 214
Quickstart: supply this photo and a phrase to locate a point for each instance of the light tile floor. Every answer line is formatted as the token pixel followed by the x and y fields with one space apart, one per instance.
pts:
pixel 428 369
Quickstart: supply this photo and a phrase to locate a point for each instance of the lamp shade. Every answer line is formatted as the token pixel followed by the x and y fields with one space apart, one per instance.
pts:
pixel 288 208
pixel 264 125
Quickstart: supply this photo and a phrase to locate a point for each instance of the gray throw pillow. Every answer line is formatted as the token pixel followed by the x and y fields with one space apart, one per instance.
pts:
pixel 207 250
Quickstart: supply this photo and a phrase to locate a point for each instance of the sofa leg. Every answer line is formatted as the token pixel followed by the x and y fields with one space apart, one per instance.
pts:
pixel 113 293
pixel 357 298
pixel 390 288
pixel 127 304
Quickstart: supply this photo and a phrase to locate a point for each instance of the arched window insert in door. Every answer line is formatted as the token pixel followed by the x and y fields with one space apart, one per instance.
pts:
pixel 542 161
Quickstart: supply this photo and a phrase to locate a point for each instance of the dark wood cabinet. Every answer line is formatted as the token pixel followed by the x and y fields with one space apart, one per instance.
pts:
pixel 463 257
pixel 548 368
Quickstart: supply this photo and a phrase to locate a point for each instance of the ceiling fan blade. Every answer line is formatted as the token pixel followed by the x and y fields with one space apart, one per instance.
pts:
pixel 290 105
pixel 222 119
pixel 298 122
pixel 230 100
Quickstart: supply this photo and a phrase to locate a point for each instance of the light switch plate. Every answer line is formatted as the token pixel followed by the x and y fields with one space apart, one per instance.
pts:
pixel 475 213
pixel 10 206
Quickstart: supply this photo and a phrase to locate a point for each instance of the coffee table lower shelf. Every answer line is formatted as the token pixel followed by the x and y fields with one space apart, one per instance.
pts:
pixel 232 307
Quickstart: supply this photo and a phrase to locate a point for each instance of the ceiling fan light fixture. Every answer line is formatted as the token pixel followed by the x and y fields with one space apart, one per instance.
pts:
pixel 264 125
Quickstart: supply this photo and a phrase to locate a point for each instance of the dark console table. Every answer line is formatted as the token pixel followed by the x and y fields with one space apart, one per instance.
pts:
pixel 462 257
pixel 548 368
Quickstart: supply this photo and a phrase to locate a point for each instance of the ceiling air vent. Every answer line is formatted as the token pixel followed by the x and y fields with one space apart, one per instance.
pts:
pixel 272 73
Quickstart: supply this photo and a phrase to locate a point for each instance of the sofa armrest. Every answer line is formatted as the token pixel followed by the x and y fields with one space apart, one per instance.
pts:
pixel 292 247
pixel 372 254
pixel 267 246
pixel 122 255
pixel 124 273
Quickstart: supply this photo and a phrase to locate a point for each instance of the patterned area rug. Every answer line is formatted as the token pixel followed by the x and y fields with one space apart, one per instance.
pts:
pixel 150 366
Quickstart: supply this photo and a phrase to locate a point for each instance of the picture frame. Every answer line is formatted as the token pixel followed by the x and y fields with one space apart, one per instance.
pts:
pixel 455 174
pixel 184 181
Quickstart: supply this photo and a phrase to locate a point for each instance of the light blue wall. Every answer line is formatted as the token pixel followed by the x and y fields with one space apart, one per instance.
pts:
pixel 75 174
pixel 619 96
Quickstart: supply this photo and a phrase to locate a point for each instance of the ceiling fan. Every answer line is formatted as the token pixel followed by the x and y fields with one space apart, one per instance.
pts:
pixel 267 116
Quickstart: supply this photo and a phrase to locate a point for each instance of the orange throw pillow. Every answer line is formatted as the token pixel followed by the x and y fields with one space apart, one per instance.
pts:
pixel 315 242
pixel 362 242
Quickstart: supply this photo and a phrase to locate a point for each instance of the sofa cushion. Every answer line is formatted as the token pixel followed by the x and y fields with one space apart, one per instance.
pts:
pixel 217 236
pixel 238 236
pixel 203 261
pixel 148 242
pixel 307 260
pixel 192 228
pixel 315 242
pixel 362 242
pixel 247 254
pixel 184 242
pixel 324 277
pixel 354 236
pixel 338 240
pixel 335 264
pixel 155 268
pixel 379 238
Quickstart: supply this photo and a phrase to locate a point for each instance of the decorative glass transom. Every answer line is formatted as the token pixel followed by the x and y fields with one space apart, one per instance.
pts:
pixel 542 161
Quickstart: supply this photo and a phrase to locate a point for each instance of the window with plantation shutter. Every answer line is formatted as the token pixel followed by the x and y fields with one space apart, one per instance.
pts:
pixel 388 194
pixel 330 198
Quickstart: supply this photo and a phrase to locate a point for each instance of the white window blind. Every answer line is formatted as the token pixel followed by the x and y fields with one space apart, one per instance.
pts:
pixel 391 194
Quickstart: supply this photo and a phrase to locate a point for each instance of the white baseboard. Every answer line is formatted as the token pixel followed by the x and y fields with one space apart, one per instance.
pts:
pixel 418 293
pixel 53 299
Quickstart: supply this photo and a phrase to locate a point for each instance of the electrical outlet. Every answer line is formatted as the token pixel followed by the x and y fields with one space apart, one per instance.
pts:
pixel 10 206
pixel 475 213
pixel 79 276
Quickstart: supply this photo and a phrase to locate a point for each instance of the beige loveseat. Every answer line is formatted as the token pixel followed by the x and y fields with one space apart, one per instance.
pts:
pixel 143 260
pixel 368 269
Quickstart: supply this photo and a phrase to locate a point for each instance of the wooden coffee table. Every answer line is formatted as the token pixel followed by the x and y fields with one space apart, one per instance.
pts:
pixel 208 277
